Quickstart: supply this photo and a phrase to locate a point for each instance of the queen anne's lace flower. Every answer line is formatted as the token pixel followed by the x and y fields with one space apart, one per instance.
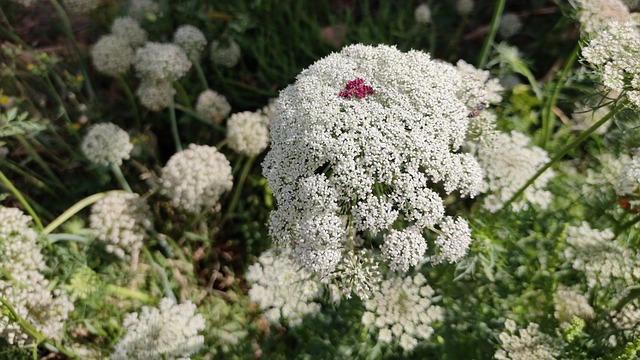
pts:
pixel 166 62
pixel 213 106
pixel 155 95
pixel 225 53
pixel 365 137
pixel 106 144
pixel 628 180
pixel 281 289
pixel 168 332
pixel 453 241
pixel 402 309
pixel 194 179
pixel 112 55
pixel 403 249
pixel 248 133
pixel 191 39
pixel 593 15
pixel 129 30
pixel 569 303
pixel 527 344
pixel 122 221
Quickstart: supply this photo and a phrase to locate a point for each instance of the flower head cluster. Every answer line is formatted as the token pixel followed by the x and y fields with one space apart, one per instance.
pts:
pixel 282 289
pixel 464 7
pixel 122 221
pixel 143 9
pixel 155 95
pixel 248 133
pixel 357 272
pixel 356 88
pixel 191 40
pixel 82 6
pixel 168 332
pixel 338 162
pixel 600 257
pixel 195 178
pixel 422 14
pixel 478 90
pixel 593 15
pixel 27 290
pixel 510 24
pixel 159 61
pixel 628 180
pixel 508 162
pixel 627 320
pixel 527 344
pixel 106 144
pixel 129 29
pixel 213 106
pixel 225 53
pixel 569 303
pixel 112 55
pixel 402 309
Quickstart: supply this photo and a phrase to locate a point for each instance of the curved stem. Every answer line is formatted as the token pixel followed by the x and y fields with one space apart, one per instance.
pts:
pixel 201 77
pixel 131 294
pixel 163 275
pixel 73 210
pixel 22 200
pixel 563 152
pixel 174 123
pixel 120 177
pixel 493 29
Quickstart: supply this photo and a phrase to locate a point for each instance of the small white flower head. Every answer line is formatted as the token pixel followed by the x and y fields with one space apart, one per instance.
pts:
pixel 106 144
pixel 422 14
pixel 510 24
pixel 357 273
pixel 195 178
pixel 82 6
pixel 19 252
pixel 527 344
pixel 593 15
pixel 129 30
pixel 225 53
pixel 453 241
pixel 569 303
pixel 112 55
pixel 478 89
pixel 464 7
pixel 403 249
pixel 402 309
pixel 282 289
pixel 248 133
pixel 155 95
pixel 168 332
pixel 191 39
pixel 508 163
pixel 143 9
pixel 213 106
pixel 626 321
pixel 628 180
pixel 158 61
pixel 122 220
pixel 269 110
pixel 584 116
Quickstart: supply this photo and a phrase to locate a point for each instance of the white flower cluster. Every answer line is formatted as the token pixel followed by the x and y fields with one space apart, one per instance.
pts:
pixel 478 90
pixel 129 29
pixel 365 137
pixel 122 220
pixel 569 303
pixel 422 14
pixel 615 52
pixel 81 6
pixel 527 344
pixel 114 53
pixel 248 133
pixel 627 320
pixel 508 163
pixel 282 289
pixel 213 106
pixel 510 25
pixel 168 332
pixel 27 291
pixel 402 309
pixel 600 257
pixel 155 95
pixel 593 15
pixel 191 40
pixel 143 9
pixel 464 7
pixel 225 53
pixel 357 272
pixel 628 180
pixel 106 144
pixel 195 178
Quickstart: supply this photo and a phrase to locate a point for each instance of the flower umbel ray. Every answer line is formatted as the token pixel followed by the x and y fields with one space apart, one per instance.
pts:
pixel 357 88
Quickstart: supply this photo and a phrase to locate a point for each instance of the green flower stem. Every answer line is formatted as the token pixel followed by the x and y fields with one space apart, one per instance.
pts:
pixel 182 95
pixel 38 159
pixel 174 123
pixel 563 152
pixel 131 294
pixel 238 191
pixel 72 211
pixel 22 200
pixel 54 238
pixel 163 275
pixel 201 77
pixel 493 29
pixel 28 175
pixel 120 177
pixel 132 100
pixel 547 113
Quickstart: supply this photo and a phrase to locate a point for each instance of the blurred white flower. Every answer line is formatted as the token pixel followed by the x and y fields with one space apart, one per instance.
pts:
pixel 248 133
pixel 213 106
pixel 106 144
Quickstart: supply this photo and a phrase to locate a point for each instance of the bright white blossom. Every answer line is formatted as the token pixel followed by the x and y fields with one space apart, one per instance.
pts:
pixel 81 6
pixel 453 241
pixel 248 133
pixel 155 95
pixel 195 178
pixel 167 332
pixel 122 220
pixel 403 249
pixel 282 289
pixel 166 62
pixel 593 15
pixel 357 273
pixel 225 53
pixel 628 180
pixel 526 344
pixel 213 106
pixel 106 144
pixel 508 163
pixel 569 303
pixel 402 311
pixel 112 55
pixel 191 39
pixel 422 14
pixel 510 24
pixel 129 30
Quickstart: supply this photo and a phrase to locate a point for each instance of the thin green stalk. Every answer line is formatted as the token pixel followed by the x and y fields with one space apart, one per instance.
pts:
pixel 563 152
pixel 27 175
pixel 203 79
pixel 131 294
pixel 182 94
pixel 54 238
pixel 238 191
pixel 26 326
pixel 74 209
pixel 547 113
pixel 22 200
pixel 120 177
pixel 163 275
pixel 493 29
pixel 174 123
pixel 38 159
pixel 132 100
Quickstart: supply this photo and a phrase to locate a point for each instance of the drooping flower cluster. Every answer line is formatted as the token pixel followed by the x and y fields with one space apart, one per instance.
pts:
pixel 114 53
pixel 191 40
pixel 167 332
pixel 569 303
pixel 225 53
pixel 281 289
pixel 363 162
pixel 106 144
pixel 509 162
pixel 402 311
pixel 213 106
pixel 248 133
pixel 27 291
pixel 593 15
pixel 526 344
pixel 195 178
pixel 122 220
